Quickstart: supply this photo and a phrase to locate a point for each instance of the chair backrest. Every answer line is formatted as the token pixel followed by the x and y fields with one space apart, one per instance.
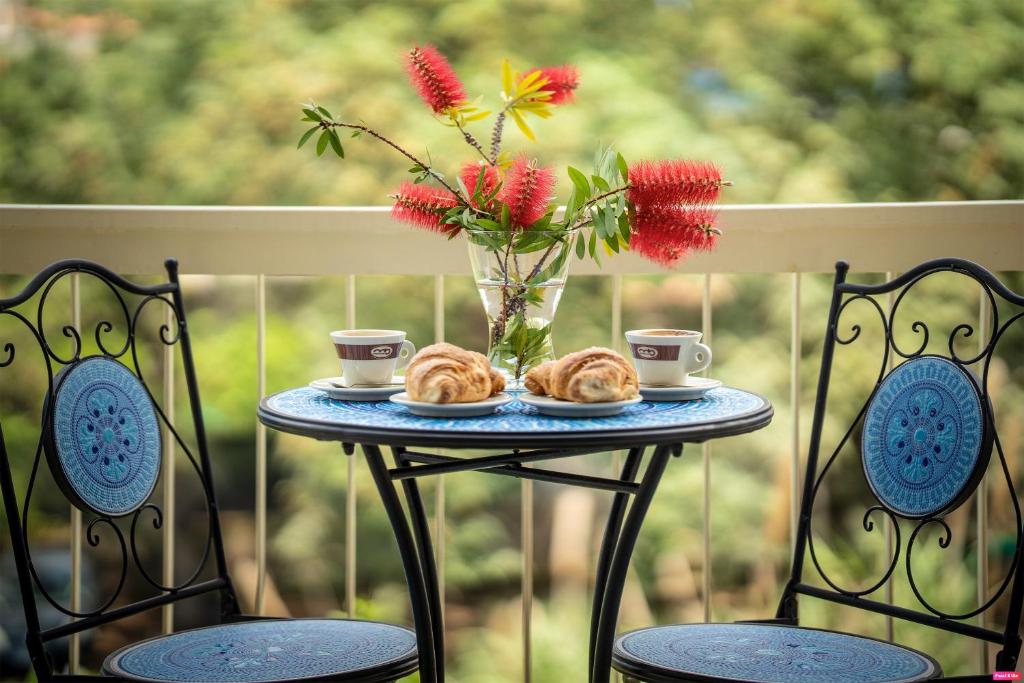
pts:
pixel 102 435
pixel 926 433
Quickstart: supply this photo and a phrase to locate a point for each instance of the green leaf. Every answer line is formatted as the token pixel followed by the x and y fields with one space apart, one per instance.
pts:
pixel 356 133
pixel 580 181
pixel 324 112
pixel 307 135
pixel 312 115
pixel 592 247
pixel 488 224
pixel 322 142
pixel 336 143
pixel 610 224
pixel 581 246
pixel 623 167
pixel 613 242
pixel 624 229
pixel 600 223
pixel 601 183
pixel 506 217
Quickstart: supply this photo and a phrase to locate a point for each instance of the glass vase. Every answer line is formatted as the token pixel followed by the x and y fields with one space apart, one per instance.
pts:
pixel 520 277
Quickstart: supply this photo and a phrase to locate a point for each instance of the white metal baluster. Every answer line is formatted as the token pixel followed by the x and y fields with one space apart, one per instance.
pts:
pixel 350 484
pixel 439 503
pixel 984 323
pixel 261 446
pixel 616 343
pixel 526 522
pixel 75 642
pixel 705 322
pixel 795 353
pixel 890 531
pixel 167 611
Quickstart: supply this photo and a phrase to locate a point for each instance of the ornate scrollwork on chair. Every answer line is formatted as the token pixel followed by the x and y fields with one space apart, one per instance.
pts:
pixel 101 437
pixel 927 433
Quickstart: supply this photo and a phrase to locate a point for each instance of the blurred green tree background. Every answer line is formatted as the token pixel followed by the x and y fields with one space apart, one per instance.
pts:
pixel 194 102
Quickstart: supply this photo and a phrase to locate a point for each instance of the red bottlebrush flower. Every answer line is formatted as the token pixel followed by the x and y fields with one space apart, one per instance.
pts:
pixel 434 78
pixel 470 176
pixel 527 191
pixel 562 82
pixel 665 234
pixel 423 206
pixel 659 183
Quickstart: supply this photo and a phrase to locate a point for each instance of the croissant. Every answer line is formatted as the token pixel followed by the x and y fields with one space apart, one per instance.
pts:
pixel 592 375
pixel 445 373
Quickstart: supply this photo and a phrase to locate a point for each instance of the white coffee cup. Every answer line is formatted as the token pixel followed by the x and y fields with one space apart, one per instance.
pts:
pixel 667 357
pixel 371 356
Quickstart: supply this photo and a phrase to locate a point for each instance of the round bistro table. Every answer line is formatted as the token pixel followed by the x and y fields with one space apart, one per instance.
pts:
pixel 521 435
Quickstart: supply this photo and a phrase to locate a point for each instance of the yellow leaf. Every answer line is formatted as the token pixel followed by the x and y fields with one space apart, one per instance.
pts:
pixel 607 249
pixel 476 117
pixel 504 159
pixel 518 118
pixel 529 78
pixel 533 106
pixel 507 82
pixel 524 89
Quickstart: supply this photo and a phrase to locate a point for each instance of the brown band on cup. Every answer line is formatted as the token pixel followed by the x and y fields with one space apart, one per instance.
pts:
pixel 367 351
pixel 654 351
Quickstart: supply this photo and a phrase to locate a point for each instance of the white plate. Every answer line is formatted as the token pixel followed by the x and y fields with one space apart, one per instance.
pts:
pixel 694 389
pixel 559 408
pixel 376 392
pixel 474 409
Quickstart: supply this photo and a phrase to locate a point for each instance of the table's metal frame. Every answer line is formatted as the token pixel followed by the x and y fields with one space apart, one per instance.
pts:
pixel 412 533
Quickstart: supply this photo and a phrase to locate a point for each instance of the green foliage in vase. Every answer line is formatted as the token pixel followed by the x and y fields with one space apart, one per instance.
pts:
pixel 505 205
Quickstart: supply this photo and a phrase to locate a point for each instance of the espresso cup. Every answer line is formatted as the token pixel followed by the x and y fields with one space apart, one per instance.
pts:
pixel 667 357
pixel 371 356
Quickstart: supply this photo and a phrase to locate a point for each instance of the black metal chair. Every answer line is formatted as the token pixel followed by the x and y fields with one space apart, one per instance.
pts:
pixel 101 437
pixel 926 433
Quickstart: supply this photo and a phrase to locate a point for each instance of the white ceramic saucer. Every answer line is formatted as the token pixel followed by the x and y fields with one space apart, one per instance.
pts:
pixel 694 389
pixel 559 408
pixel 365 392
pixel 474 409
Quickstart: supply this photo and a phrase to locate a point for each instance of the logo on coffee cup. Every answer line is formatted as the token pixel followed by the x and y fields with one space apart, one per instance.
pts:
pixel 646 352
pixel 381 352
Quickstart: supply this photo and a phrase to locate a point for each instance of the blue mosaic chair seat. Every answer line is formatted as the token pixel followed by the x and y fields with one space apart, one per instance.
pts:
pixel 762 653
pixel 272 650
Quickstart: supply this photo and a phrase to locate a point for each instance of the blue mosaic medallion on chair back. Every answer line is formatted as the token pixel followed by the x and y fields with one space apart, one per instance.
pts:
pixel 777 654
pixel 924 442
pixel 270 650
pixel 104 446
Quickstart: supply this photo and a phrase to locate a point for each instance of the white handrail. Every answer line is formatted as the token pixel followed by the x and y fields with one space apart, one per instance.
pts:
pixel 278 240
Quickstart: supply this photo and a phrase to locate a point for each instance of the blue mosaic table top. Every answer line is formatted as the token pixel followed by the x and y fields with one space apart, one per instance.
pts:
pixel 762 653
pixel 311 406
pixel 261 651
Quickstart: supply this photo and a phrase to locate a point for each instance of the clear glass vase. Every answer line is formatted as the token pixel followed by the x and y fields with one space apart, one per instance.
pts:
pixel 520 277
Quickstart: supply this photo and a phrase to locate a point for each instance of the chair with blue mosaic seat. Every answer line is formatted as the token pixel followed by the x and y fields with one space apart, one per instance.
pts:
pixel 102 439
pixel 926 429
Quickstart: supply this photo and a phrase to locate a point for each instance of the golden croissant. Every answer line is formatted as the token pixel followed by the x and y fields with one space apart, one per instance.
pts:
pixel 445 373
pixel 592 375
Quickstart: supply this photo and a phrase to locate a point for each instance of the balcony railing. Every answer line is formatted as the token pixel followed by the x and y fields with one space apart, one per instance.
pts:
pixel 355 241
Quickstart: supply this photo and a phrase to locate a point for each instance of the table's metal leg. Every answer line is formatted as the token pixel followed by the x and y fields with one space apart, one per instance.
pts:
pixel 418 590
pixel 608 543
pixel 421 530
pixel 601 671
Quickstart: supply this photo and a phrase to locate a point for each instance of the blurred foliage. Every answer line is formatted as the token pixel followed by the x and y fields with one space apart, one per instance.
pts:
pixel 143 101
